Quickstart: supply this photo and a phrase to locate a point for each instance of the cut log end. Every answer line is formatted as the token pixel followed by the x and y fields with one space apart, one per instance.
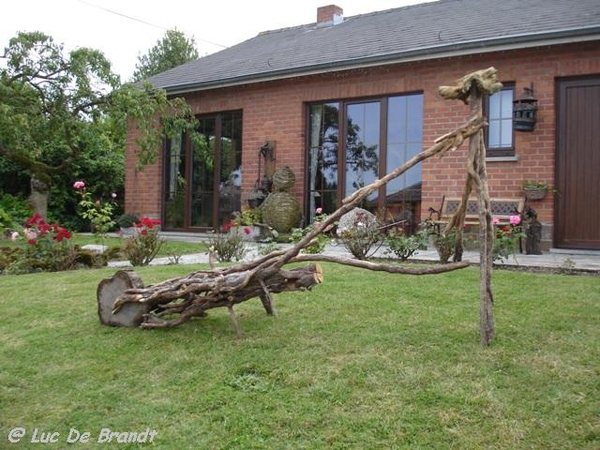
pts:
pixel 318 274
pixel 109 290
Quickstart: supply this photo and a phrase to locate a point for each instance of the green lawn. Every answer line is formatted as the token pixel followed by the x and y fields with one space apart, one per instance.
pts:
pixel 365 361
pixel 169 248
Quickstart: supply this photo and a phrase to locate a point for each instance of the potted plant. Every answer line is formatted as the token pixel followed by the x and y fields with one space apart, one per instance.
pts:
pixel 535 190
pixel 247 222
pixel 125 222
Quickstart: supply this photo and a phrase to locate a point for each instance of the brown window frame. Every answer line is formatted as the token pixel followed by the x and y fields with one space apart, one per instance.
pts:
pixel 498 152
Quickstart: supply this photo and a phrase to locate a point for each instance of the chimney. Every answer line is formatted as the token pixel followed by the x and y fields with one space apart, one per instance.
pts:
pixel 330 14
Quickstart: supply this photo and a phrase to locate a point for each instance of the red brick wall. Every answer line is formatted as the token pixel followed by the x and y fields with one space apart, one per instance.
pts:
pixel 276 111
pixel 142 187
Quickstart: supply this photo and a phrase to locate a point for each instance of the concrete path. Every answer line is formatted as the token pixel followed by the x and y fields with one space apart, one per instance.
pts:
pixel 567 261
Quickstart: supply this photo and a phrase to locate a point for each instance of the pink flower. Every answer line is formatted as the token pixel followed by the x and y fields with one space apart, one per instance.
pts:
pixel 29 233
pixel 495 221
pixel 14 236
pixel 79 185
pixel 319 210
pixel 514 220
pixel 247 230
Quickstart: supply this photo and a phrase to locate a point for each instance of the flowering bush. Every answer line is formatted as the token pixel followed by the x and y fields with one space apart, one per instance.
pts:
pixel 97 212
pixel 506 237
pixel 229 245
pixel 361 235
pixel 318 243
pixel 48 248
pixel 405 245
pixel 144 245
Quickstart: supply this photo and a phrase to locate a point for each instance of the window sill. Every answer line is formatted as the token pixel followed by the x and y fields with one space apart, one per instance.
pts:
pixel 502 158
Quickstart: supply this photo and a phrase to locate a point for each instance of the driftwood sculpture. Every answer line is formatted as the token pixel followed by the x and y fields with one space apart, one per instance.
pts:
pixel 124 301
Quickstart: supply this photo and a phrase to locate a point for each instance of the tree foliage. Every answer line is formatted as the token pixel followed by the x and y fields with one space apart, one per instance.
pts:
pixel 57 106
pixel 171 51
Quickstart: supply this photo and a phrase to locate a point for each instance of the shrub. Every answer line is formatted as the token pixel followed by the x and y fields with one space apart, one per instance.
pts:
pixel 359 240
pixel 48 248
pixel 127 220
pixel 506 238
pixel 99 213
pixel 230 246
pixel 445 244
pixel 15 210
pixel 403 246
pixel 318 243
pixel 144 245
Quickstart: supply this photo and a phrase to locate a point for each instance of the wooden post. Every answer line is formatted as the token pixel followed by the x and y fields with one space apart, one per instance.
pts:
pixel 470 89
pixel 478 171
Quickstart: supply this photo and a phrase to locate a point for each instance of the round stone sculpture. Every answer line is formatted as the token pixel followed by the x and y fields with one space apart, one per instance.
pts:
pixel 356 218
pixel 283 179
pixel 281 211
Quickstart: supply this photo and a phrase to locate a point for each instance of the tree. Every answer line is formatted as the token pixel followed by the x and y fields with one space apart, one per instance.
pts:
pixel 171 51
pixel 55 106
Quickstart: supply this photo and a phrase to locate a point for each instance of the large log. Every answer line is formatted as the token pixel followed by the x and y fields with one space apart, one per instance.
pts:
pixel 124 301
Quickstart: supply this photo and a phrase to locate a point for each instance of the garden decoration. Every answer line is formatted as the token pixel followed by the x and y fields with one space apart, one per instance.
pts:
pixel 175 301
pixel 281 210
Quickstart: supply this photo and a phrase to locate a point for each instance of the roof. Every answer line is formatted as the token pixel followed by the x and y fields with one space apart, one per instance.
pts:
pixel 424 31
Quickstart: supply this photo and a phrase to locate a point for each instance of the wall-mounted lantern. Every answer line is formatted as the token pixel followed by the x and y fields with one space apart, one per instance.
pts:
pixel 525 110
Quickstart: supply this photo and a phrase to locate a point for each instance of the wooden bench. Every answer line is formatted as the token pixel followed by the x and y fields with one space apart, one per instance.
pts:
pixel 502 209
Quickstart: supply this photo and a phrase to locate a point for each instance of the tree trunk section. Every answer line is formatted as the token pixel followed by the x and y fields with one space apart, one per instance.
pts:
pixel 124 301
pixel 40 191
pixel 109 289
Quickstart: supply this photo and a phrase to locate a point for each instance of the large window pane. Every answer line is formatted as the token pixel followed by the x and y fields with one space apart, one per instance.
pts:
pixel 323 158
pixel 175 183
pixel 499 115
pixel 362 146
pixel 202 198
pixel 405 138
pixel 230 161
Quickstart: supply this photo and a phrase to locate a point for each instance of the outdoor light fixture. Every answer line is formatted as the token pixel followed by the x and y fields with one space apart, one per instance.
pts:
pixel 525 110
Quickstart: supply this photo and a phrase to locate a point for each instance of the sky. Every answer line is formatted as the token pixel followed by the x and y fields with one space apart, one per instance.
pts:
pixel 126 29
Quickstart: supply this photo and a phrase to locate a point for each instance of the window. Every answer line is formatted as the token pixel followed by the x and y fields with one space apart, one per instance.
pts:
pixel 350 143
pixel 500 136
pixel 202 179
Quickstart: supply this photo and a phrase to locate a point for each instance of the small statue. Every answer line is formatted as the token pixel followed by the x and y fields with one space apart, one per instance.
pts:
pixel 533 232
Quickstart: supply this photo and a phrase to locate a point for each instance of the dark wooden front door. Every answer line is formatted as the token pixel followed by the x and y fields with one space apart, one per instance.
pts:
pixel 577 208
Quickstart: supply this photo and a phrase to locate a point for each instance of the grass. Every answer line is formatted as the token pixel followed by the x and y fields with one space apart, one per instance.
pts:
pixel 169 248
pixel 364 361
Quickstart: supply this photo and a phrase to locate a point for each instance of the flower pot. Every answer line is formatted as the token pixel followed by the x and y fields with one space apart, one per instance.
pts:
pixel 535 194
pixel 248 232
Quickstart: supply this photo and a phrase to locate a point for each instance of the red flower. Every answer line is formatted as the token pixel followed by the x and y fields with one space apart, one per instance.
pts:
pixel 33 220
pixel 247 230
pixel 31 241
pixel 44 227
pixel 61 233
pixel 147 222
pixel 227 226
pixel 144 232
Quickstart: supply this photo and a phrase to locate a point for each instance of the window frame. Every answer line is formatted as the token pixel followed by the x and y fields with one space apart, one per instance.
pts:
pixel 499 152
pixel 342 113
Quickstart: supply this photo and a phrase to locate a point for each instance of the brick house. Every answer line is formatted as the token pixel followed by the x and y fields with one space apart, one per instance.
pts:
pixel 343 100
